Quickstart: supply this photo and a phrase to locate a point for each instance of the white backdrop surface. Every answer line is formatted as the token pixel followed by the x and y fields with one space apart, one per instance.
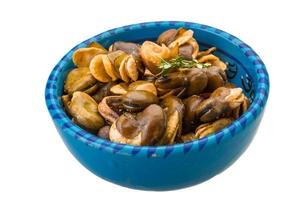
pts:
pixel 34 35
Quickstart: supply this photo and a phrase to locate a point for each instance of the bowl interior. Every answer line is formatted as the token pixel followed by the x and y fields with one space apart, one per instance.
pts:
pixel 245 69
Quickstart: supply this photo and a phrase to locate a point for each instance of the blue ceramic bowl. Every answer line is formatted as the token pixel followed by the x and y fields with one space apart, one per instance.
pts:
pixel 174 166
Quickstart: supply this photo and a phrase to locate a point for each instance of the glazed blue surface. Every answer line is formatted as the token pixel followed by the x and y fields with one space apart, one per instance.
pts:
pixel 174 166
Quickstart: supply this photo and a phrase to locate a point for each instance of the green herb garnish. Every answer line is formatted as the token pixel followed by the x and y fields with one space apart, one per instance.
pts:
pixel 180 62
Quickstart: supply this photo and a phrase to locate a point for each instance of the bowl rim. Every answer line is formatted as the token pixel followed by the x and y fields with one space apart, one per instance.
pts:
pixel 64 123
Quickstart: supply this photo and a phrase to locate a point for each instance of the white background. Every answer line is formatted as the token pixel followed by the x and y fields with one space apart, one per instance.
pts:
pixel 34 162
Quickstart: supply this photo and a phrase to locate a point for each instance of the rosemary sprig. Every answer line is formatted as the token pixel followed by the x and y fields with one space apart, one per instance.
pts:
pixel 180 62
